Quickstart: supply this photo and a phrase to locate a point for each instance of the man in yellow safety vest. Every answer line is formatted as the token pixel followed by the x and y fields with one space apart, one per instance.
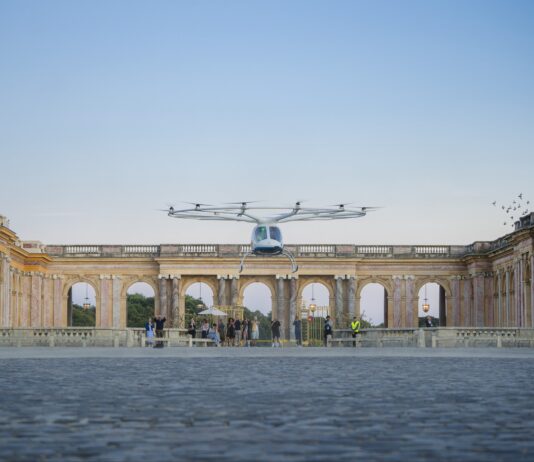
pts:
pixel 355 326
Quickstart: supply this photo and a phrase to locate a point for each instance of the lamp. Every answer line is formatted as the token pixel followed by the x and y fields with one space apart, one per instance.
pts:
pixel 86 305
pixel 201 304
pixel 312 306
pixel 426 306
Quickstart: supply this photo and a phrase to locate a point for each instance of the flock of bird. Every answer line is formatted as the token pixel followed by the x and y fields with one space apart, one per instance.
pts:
pixel 515 210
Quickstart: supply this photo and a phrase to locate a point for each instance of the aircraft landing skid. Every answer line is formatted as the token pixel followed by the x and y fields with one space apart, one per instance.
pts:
pixel 294 266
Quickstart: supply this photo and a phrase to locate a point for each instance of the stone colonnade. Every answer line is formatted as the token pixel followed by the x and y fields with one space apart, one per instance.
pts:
pixel 503 298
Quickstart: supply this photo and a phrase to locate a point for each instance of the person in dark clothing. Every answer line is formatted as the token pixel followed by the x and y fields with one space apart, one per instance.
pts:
pixel 275 330
pixel 237 325
pixel 428 322
pixel 328 330
pixel 297 323
pixel 160 324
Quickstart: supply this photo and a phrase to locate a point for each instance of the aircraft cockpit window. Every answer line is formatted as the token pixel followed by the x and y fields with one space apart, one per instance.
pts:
pixel 261 233
pixel 274 233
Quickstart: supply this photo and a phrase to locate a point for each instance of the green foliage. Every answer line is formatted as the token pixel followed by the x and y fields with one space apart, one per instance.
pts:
pixel 83 318
pixel 139 309
pixel 263 320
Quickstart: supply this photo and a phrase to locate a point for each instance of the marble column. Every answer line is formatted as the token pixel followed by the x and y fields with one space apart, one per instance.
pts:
pixel 5 290
pixel 351 308
pixel 25 301
pixel 234 290
pixel 116 302
pixel 532 291
pixel 338 321
pixel 292 306
pixel 221 293
pixel 162 296
pixel 105 299
pixel 478 301
pixel 35 300
pixel 455 302
pixel 280 305
pixel 410 302
pixel 507 310
pixel 58 305
pixel 499 300
pixel 466 305
pixel 396 302
pixel 175 304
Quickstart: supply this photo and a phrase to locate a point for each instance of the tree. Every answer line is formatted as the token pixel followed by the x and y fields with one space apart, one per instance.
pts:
pixel 139 309
pixel 83 317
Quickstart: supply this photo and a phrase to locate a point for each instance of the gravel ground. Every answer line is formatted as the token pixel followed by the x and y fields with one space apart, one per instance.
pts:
pixel 293 404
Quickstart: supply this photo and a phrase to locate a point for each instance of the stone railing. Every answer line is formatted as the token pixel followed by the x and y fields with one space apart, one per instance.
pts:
pixel 444 337
pixel 237 250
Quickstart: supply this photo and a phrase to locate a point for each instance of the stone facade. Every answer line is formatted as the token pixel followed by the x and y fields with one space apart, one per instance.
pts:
pixel 485 284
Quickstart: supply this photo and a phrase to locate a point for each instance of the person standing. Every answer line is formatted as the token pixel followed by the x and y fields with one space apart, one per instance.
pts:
pixel 149 328
pixel 160 325
pixel 355 326
pixel 275 330
pixel 428 321
pixel 221 329
pixel 297 323
pixel 204 329
pixel 328 330
pixel 237 326
pixel 230 332
pixel 254 331
pixel 192 329
pixel 245 329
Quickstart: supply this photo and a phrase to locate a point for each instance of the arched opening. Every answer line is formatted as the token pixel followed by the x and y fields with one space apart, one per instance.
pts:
pixel 257 300
pixel 81 305
pixel 140 300
pixel 374 305
pixel 431 308
pixel 198 297
pixel 313 311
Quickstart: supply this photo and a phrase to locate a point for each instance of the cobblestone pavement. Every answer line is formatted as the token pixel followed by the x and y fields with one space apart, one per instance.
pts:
pixel 266 405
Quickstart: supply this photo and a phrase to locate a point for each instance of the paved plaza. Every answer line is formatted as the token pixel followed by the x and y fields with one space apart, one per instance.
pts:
pixel 292 404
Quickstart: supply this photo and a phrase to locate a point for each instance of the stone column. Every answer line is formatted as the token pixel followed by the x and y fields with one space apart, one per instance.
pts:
pixel 163 296
pixel 58 305
pixel 351 297
pixel 48 306
pixel 411 312
pixel 466 306
pixel 234 290
pixel 455 302
pixel 478 301
pixel 25 306
pixel 338 321
pixel 177 320
pixel 508 310
pixel 532 291
pixel 499 299
pixel 396 302
pixel 5 290
pixel 221 294
pixel 35 300
pixel 517 293
pixel 292 305
pixel 116 302
pixel 105 301
pixel 280 303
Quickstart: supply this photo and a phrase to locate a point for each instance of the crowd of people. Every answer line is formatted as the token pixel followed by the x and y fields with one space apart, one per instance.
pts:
pixel 244 332
pixel 235 332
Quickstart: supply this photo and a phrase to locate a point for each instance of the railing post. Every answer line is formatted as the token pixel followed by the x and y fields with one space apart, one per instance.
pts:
pixel 499 341
pixel 421 338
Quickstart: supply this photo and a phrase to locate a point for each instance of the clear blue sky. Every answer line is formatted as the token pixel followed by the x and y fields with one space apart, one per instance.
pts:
pixel 112 109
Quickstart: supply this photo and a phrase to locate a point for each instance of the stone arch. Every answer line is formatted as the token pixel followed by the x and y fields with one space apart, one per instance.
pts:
pixel 129 282
pixel 442 282
pixel 244 283
pixel 210 281
pixel 329 283
pixel 387 284
pixel 388 296
pixel 66 297
pixel 247 284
